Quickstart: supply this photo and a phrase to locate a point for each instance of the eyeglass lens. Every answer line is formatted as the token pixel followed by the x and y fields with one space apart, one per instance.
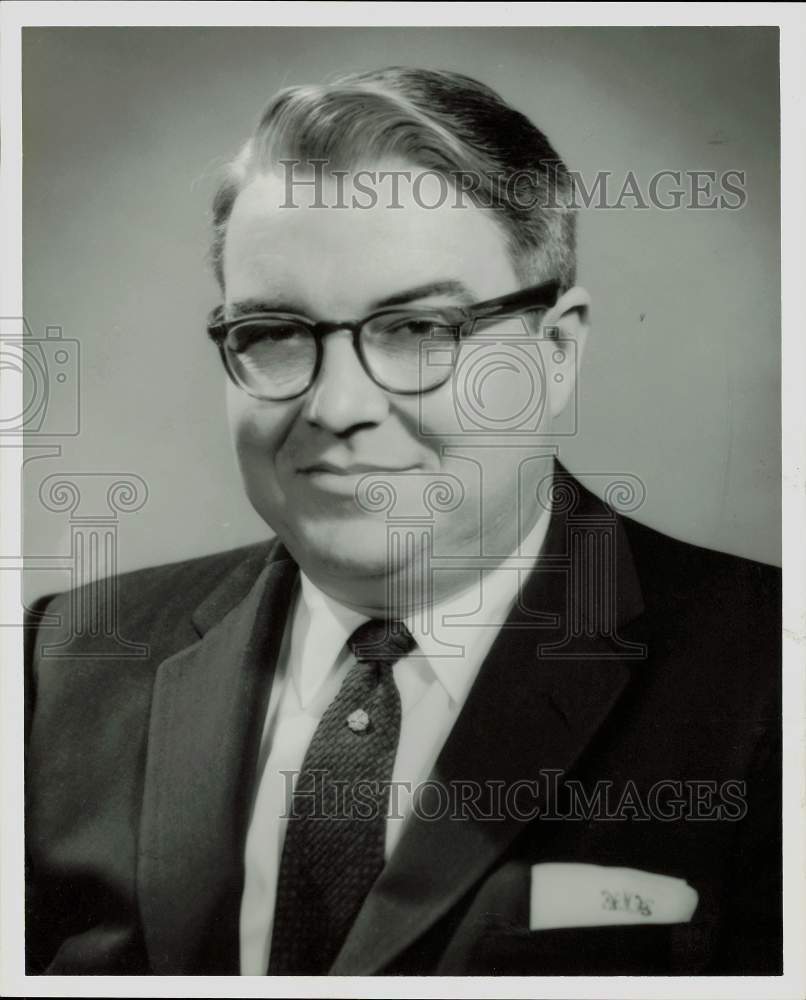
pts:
pixel 276 357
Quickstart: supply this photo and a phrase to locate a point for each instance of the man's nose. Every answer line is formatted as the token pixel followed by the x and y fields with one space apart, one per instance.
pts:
pixel 343 397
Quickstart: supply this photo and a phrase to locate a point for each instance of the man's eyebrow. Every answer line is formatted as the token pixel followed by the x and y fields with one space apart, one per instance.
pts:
pixel 450 287
pixel 246 307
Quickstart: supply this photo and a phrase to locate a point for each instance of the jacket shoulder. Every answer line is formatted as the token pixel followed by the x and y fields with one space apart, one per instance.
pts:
pixel 682 570
pixel 715 616
pixel 150 606
pixel 188 581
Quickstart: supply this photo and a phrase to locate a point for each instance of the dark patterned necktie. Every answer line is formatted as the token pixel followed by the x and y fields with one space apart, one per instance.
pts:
pixel 334 842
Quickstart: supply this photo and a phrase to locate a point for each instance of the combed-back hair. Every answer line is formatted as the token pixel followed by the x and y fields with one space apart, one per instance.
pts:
pixel 437 120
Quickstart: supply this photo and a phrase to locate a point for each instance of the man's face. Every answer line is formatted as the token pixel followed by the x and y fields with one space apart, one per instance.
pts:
pixel 302 459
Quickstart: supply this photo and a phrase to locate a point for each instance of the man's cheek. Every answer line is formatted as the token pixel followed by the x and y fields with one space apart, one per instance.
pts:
pixel 258 461
pixel 255 428
pixel 431 418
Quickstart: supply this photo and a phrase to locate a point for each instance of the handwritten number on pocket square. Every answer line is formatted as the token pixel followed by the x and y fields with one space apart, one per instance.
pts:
pixel 626 902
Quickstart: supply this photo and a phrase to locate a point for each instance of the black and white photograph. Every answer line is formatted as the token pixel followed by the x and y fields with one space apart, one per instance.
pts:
pixel 405 577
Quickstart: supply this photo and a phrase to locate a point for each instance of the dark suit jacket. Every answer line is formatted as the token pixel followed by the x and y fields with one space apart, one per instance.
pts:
pixel 631 660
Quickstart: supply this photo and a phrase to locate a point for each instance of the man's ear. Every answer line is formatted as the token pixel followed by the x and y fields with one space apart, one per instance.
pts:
pixel 565 329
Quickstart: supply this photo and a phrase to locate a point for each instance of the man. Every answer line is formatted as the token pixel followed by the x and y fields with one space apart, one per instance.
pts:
pixel 461 716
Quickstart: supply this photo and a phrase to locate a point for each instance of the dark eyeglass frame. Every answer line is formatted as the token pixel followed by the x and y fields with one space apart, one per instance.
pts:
pixel 459 319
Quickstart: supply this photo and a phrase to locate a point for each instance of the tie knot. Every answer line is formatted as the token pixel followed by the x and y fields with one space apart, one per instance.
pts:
pixel 381 641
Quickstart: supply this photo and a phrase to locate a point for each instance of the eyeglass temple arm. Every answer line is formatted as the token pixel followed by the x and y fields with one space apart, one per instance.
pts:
pixel 535 297
pixel 215 324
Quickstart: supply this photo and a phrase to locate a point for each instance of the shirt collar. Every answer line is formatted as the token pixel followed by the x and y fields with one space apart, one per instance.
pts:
pixel 453 635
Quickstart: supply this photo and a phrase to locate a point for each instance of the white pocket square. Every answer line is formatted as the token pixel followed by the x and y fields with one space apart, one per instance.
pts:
pixel 579 895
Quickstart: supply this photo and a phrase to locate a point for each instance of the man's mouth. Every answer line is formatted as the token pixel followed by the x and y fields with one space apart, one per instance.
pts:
pixel 353 469
pixel 344 480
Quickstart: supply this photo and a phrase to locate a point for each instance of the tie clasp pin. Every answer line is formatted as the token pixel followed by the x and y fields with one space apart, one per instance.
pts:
pixel 358 720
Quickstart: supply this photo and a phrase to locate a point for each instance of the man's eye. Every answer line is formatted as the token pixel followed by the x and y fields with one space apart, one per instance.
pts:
pixel 418 327
pixel 414 326
pixel 265 332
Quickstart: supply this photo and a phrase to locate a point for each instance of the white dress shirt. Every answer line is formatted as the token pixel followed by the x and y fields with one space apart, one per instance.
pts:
pixel 433 681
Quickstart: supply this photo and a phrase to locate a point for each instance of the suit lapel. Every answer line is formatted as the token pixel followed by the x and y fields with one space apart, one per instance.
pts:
pixel 539 698
pixel 204 731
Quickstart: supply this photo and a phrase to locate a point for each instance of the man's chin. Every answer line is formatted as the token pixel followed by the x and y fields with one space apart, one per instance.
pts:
pixel 342 549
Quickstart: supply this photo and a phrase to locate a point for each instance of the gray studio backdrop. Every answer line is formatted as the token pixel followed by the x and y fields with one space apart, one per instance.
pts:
pixel 124 132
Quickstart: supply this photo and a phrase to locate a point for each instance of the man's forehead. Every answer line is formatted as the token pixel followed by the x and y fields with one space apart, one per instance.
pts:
pixel 276 236
pixel 358 201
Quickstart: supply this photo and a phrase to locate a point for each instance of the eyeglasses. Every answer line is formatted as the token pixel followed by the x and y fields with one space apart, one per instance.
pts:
pixel 277 356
